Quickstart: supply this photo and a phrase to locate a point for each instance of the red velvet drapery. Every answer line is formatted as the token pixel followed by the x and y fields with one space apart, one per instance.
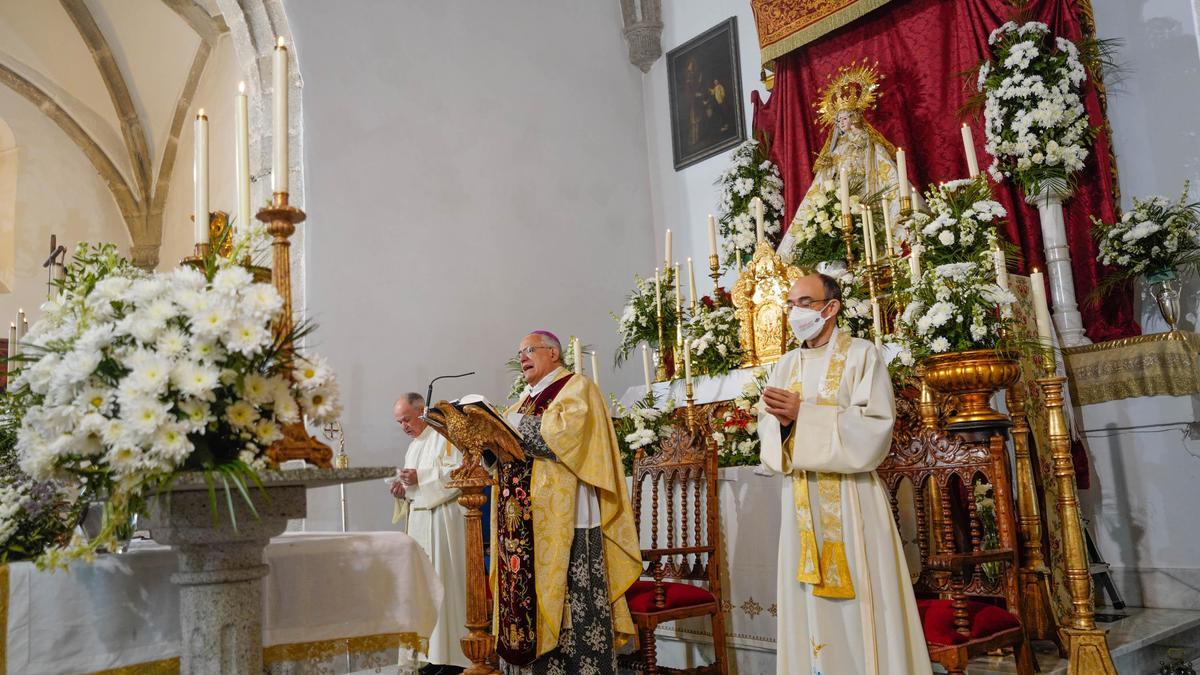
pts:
pixel 922 47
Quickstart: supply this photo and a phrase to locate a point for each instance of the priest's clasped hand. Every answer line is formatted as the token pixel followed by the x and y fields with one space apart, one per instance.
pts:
pixel 784 404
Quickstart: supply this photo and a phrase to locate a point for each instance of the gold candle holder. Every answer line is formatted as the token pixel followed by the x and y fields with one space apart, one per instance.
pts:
pixel 848 237
pixel 714 271
pixel 1087 647
pixel 906 206
pixel 196 259
pixel 690 411
pixel 281 219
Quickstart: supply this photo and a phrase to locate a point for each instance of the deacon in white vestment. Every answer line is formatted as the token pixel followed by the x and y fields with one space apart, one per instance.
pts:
pixel 846 602
pixel 435 520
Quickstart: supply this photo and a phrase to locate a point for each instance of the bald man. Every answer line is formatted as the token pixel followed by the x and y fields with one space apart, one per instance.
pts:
pixel 435 520
pixel 846 602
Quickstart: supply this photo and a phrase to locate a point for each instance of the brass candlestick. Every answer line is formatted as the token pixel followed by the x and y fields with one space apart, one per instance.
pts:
pixel 281 219
pixel 848 237
pixel 690 411
pixel 906 206
pixel 1087 647
pixel 196 259
pixel 714 271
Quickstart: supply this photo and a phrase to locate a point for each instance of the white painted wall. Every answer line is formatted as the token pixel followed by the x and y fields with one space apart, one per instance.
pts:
pixel 218 86
pixel 683 199
pixel 474 171
pixel 57 191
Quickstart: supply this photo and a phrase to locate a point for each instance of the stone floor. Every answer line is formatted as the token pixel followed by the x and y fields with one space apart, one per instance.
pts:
pixel 1138 643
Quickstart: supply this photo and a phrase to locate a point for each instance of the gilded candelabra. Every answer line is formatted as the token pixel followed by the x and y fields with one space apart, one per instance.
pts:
pixel 906 206
pixel 714 271
pixel 848 237
pixel 1087 648
pixel 281 219
pixel 690 411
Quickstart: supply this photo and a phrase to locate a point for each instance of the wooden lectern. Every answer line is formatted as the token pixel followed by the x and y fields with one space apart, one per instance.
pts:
pixel 475 429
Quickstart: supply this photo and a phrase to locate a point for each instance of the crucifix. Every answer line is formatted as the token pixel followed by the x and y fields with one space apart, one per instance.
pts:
pixel 333 431
pixel 55 265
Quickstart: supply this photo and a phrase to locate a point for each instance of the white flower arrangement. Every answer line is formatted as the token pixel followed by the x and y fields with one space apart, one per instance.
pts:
pixel 129 378
pixel 716 345
pixel 955 303
pixel 638 321
pixel 1154 238
pixel 1036 125
pixel 961 223
pixel 817 229
pixel 736 436
pixel 749 175
pixel 640 427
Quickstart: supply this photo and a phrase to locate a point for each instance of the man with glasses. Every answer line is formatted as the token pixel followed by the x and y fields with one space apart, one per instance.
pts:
pixel 435 520
pixel 565 547
pixel 845 599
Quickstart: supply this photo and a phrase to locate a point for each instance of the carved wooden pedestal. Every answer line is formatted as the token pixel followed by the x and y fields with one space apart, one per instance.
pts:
pixel 479 645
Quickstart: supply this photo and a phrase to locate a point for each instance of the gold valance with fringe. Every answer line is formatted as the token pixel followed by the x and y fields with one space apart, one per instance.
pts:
pixel 784 25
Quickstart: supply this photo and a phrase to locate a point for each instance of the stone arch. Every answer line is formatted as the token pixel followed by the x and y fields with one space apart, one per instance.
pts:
pixel 8 207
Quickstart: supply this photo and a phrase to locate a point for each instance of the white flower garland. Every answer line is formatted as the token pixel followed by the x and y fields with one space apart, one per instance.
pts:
pixel 749 175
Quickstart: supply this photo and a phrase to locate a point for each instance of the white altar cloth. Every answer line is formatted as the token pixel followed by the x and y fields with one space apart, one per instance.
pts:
pixel 705 389
pixel 323 589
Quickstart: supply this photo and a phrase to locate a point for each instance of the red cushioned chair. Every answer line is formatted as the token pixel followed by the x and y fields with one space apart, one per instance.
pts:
pixel 682 575
pixel 964 611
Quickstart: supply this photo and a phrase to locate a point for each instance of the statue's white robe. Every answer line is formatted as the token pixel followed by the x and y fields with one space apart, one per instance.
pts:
pixel 435 520
pixel 878 631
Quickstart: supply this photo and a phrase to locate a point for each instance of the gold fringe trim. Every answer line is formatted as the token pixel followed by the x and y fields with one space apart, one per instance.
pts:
pixel 304 651
pixel 819 28
pixel 163 667
pixel 289 653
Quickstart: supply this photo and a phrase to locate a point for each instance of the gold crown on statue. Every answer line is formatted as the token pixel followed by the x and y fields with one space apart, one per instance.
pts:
pixel 855 87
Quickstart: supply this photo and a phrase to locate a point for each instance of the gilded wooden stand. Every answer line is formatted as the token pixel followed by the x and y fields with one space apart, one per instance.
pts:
pixel 1034 574
pixel 479 645
pixel 281 219
pixel 1087 648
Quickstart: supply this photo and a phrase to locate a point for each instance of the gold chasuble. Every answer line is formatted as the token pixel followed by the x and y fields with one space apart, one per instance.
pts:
pixel 845 598
pixel 576 428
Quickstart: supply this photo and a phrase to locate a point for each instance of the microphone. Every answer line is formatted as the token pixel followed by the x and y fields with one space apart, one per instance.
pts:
pixel 429 391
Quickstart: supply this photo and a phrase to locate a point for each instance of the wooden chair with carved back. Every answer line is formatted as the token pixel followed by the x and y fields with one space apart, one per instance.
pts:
pixel 682 575
pixel 968 594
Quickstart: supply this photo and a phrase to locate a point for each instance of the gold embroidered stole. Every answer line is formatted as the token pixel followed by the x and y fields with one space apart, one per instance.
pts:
pixel 828 572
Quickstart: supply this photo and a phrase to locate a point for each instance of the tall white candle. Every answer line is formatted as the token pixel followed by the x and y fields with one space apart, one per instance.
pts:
pixel 578 353
pixel 279 98
pixel 678 295
pixel 902 172
pixel 667 257
pixel 691 285
pixel 969 147
pixel 1001 266
pixel 687 361
pixel 595 370
pixel 869 234
pixel 844 190
pixel 242 155
pixel 758 219
pixel 13 347
pixel 712 235
pixel 887 226
pixel 646 370
pixel 914 263
pixel 200 178
pixel 1041 309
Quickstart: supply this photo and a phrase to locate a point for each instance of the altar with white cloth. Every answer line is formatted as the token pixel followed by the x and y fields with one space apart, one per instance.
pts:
pixel 331 603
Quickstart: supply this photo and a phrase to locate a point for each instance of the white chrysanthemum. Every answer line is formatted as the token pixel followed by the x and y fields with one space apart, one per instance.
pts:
pixel 149 371
pixel 267 432
pixel 256 389
pixel 171 443
pixel 231 280
pixel 261 302
pixel 321 404
pixel 196 414
pixel 143 416
pixel 247 336
pixel 939 345
pixel 241 415
pixel 311 371
pixel 171 343
pixel 195 379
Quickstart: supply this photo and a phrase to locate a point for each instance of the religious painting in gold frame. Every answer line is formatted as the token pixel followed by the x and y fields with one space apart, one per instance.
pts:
pixel 704 89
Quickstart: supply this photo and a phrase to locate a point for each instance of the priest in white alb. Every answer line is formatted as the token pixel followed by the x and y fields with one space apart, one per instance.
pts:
pixel 435 520
pixel 845 600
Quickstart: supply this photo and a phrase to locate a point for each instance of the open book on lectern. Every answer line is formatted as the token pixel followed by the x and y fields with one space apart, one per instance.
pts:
pixel 482 402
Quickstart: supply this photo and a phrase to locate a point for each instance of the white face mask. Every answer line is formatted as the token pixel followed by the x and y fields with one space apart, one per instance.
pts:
pixel 806 323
